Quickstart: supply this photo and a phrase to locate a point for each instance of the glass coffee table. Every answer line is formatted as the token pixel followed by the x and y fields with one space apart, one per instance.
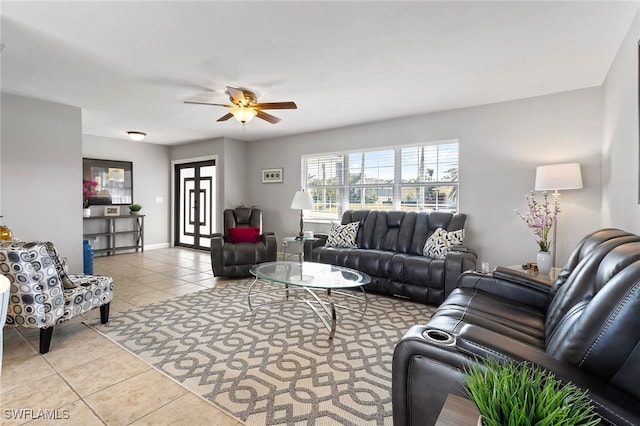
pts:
pixel 312 279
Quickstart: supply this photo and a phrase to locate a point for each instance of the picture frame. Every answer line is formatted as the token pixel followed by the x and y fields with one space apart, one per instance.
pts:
pixel 114 180
pixel 275 175
pixel 112 210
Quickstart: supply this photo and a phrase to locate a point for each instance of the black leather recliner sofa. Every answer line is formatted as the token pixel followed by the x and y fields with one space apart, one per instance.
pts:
pixel 585 329
pixel 390 249
pixel 231 259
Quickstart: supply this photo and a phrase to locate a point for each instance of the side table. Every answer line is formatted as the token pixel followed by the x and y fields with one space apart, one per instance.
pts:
pixel 292 246
pixel 458 411
pixel 548 278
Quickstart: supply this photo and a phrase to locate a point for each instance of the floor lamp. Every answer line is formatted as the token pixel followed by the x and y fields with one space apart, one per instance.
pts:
pixel 556 177
pixel 302 201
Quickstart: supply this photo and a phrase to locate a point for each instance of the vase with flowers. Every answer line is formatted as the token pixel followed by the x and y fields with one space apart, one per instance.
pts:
pixel 540 220
pixel 88 187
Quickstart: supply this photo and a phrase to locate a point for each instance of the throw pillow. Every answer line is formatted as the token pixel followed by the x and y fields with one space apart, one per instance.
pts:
pixel 343 235
pixel 440 242
pixel 243 235
pixel 62 273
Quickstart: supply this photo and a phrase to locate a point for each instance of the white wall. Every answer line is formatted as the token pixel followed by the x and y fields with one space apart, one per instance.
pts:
pixel 500 147
pixel 151 179
pixel 42 173
pixel 620 137
pixel 235 174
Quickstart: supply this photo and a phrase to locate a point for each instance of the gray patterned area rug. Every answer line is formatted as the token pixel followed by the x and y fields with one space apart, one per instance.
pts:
pixel 275 366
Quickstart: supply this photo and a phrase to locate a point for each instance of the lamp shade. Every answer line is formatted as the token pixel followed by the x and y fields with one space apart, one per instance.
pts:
pixel 302 201
pixel 243 115
pixel 558 176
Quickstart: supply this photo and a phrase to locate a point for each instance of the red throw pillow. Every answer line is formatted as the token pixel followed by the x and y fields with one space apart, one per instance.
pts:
pixel 243 235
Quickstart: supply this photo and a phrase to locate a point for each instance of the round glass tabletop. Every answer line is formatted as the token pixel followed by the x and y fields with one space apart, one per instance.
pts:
pixel 310 274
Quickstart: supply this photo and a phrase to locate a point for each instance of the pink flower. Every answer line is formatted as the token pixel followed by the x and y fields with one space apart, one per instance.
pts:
pixel 87 191
pixel 541 217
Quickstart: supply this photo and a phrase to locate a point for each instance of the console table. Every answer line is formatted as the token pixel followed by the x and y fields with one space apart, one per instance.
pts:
pixel 129 225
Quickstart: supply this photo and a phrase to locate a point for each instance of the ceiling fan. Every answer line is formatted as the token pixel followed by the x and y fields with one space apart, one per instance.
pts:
pixel 245 106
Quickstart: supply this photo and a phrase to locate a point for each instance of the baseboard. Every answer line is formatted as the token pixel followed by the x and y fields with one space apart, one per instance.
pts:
pixel 156 246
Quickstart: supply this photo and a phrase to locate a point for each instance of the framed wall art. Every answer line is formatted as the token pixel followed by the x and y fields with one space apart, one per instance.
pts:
pixel 273 175
pixel 114 181
pixel 112 211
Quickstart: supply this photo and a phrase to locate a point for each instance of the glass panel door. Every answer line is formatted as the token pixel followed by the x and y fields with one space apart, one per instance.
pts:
pixel 195 198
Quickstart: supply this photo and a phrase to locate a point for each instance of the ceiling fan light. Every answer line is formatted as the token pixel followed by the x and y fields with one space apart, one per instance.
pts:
pixel 243 115
pixel 136 136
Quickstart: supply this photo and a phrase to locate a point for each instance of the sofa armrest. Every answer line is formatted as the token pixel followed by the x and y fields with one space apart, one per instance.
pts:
pixel 509 284
pixel 522 278
pixel 423 375
pixel 425 371
pixel 457 261
pixel 217 243
pixel 271 243
pixel 612 404
pixel 318 240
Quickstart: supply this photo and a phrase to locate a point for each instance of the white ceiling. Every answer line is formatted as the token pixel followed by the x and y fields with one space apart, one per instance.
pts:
pixel 130 65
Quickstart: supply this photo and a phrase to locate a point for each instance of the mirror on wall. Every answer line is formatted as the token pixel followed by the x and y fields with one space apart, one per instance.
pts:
pixel 114 181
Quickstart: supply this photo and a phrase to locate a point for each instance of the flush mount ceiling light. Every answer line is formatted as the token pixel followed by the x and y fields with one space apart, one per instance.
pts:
pixel 136 136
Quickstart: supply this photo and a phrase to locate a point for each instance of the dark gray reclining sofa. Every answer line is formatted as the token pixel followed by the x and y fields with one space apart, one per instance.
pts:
pixel 390 249
pixel 585 329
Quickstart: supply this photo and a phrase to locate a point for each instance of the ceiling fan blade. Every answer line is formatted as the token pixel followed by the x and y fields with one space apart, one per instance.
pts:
pixel 225 117
pixel 276 105
pixel 207 103
pixel 237 95
pixel 268 117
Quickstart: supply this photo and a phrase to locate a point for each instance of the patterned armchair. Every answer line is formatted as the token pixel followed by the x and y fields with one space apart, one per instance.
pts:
pixel 243 243
pixel 42 294
pixel 4 304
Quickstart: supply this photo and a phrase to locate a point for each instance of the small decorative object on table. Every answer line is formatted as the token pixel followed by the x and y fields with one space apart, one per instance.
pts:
pixel 5 233
pixel 135 208
pixel 540 220
pixel 507 393
pixel 112 211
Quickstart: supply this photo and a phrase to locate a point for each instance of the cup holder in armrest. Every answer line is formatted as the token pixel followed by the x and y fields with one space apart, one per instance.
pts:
pixel 439 337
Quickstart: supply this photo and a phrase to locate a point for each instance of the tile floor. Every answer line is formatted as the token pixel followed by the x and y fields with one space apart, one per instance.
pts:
pixel 118 389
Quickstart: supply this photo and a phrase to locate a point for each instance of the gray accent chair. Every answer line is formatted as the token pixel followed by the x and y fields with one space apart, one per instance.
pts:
pixel 231 260
pixel 42 294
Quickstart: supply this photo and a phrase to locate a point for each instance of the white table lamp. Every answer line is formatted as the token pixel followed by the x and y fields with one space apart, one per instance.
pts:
pixel 302 201
pixel 556 177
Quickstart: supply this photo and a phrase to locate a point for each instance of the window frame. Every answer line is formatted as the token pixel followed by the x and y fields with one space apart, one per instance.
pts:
pixel 343 191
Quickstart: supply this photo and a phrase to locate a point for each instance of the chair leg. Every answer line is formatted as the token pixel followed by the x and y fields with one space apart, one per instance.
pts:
pixel 45 339
pixel 104 313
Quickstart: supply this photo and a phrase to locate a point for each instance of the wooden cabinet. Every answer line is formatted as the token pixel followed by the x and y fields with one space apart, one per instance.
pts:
pixel 110 234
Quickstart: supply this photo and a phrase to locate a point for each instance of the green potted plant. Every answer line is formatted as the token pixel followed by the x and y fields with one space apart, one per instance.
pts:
pixel 135 208
pixel 521 394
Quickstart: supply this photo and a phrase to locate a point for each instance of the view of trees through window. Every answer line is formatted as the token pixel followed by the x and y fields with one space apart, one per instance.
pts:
pixel 397 178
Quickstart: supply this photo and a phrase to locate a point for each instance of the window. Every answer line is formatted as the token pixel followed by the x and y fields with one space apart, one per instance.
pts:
pixel 423 177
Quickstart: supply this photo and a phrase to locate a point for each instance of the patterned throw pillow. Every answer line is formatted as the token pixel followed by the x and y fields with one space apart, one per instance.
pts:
pixel 343 235
pixel 440 242
pixel 64 278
